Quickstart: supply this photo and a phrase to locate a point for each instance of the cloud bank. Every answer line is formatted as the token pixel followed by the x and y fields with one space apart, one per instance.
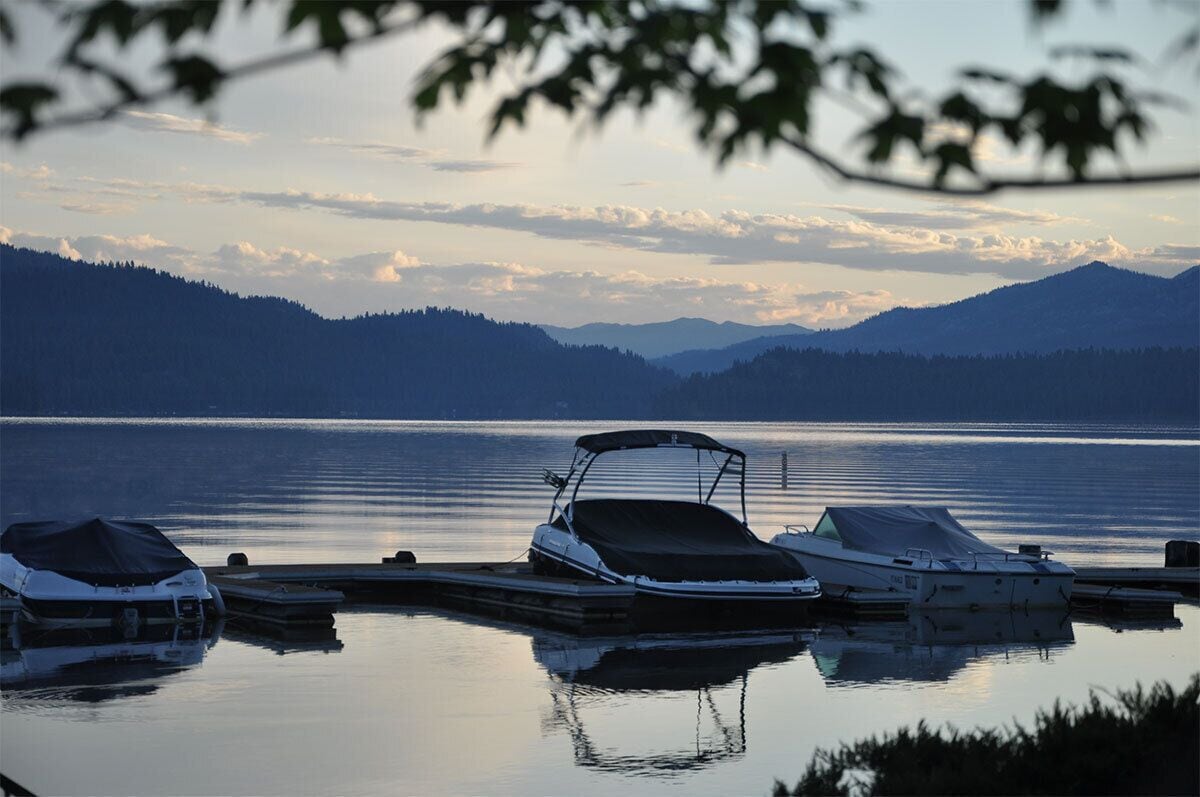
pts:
pixel 169 123
pixel 393 280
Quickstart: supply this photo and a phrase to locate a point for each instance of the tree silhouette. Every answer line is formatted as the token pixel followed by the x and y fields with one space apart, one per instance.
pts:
pixel 749 71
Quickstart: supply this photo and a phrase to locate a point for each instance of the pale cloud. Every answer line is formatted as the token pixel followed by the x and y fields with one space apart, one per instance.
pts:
pixel 961 215
pixel 394 280
pixel 245 258
pixel 378 266
pixel 752 165
pixel 431 159
pixel 1166 219
pixel 97 208
pixel 157 122
pixel 964 237
pixel 739 237
pixel 39 172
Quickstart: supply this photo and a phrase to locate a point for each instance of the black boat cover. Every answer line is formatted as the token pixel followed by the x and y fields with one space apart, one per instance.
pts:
pixel 677 541
pixel 99 552
pixel 892 530
pixel 650 438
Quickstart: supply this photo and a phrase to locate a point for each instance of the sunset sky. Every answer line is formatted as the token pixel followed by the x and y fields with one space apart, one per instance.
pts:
pixel 317 183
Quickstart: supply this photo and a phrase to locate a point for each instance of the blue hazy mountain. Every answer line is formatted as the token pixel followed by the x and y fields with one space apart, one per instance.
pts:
pixel 84 339
pixel 669 337
pixel 1092 306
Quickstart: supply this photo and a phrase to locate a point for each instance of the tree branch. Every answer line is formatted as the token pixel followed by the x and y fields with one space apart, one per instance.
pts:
pixel 988 185
pixel 265 64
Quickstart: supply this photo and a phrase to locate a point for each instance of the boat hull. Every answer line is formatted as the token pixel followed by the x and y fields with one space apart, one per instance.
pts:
pixel 934 584
pixel 49 598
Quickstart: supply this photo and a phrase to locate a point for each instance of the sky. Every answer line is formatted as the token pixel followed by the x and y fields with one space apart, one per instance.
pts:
pixel 318 183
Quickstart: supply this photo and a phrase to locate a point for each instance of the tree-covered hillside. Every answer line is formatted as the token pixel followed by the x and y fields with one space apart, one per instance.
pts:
pixel 1092 306
pixel 77 338
pixel 1160 385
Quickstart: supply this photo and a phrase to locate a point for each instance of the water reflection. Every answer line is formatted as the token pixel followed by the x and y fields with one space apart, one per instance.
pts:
pixel 679 701
pixel 935 646
pixel 283 639
pixel 39 666
pixel 291 491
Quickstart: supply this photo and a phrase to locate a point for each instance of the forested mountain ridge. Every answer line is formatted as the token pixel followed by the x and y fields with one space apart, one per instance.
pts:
pixel 1092 306
pixel 662 338
pixel 122 340
pixel 1161 385
pixel 78 338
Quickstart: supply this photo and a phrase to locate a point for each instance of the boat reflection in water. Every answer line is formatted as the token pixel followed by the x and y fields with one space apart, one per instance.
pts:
pixel 619 697
pixel 934 646
pixel 97 664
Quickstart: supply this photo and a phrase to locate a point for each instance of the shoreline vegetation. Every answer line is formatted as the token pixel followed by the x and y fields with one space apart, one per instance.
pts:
pixel 1139 741
pixel 119 340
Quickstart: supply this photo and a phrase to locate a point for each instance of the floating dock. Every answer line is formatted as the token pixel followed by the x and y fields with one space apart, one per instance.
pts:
pixel 309 594
pixel 272 601
pixel 574 603
pixel 1123 601
pixel 1183 580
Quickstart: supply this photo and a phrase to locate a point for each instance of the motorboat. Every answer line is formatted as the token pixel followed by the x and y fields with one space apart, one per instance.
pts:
pixel 664 548
pixel 923 553
pixel 100 572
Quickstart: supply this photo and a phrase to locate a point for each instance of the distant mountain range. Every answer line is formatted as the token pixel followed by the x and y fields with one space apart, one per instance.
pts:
pixel 669 337
pixel 83 339
pixel 122 340
pixel 1092 306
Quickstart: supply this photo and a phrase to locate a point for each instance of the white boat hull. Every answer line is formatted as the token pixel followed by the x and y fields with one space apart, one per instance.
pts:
pixel 49 598
pixel 552 545
pixel 1017 583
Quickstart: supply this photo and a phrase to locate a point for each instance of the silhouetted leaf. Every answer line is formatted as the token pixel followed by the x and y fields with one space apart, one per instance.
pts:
pixel 195 76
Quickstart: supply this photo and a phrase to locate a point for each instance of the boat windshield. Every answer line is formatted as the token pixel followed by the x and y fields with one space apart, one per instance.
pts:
pixel 827 528
pixel 707 473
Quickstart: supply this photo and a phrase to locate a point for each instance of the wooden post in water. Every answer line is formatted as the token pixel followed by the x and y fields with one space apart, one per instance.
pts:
pixel 783 471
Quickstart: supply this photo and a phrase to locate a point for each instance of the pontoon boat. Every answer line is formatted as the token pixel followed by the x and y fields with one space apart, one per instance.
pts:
pixel 673 549
pixel 926 555
pixel 98 572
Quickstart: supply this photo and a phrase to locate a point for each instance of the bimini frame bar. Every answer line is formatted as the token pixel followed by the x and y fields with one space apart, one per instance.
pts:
pixel 589 447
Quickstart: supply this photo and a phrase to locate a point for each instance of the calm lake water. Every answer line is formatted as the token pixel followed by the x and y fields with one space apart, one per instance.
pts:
pixel 413 700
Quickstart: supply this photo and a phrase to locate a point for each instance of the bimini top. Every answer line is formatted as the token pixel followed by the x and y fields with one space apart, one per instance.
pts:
pixel 97 552
pixel 650 438
pixel 892 530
